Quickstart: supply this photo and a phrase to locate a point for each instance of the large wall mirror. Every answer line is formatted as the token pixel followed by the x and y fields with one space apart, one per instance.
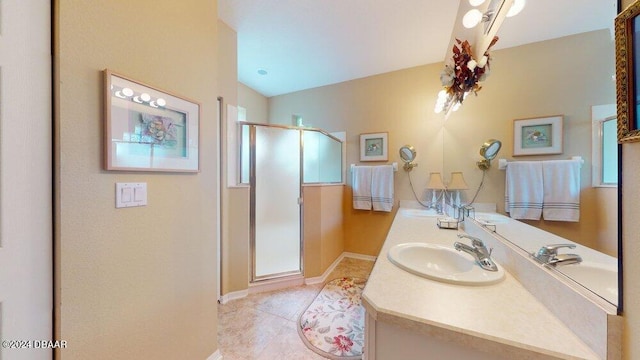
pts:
pixel 571 76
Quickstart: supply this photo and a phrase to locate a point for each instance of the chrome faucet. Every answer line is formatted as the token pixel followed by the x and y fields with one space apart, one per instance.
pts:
pixel 478 250
pixel 548 254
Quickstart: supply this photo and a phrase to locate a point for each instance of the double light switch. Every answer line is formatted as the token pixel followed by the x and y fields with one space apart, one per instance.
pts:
pixel 131 194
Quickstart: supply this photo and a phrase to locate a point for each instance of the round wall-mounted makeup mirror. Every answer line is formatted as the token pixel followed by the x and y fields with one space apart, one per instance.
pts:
pixel 488 151
pixel 408 154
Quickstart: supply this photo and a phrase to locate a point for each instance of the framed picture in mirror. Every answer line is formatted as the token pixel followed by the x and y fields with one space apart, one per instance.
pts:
pixel 374 147
pixel 628 73
pixel 537 136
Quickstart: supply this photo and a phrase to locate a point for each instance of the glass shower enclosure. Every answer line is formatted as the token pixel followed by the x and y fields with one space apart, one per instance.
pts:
pixel 276 161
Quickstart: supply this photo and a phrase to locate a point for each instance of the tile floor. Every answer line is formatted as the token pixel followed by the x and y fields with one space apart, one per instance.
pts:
pixel 263 325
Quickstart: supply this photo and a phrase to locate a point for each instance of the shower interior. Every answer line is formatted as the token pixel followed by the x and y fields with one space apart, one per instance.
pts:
pixel 277 161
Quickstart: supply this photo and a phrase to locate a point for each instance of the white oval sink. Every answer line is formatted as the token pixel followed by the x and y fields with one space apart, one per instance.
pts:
pixel 442 263
pixel 599 279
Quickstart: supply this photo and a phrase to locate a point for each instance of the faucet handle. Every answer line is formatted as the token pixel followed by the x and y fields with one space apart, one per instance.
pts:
pixel 474 240
pixel 552 249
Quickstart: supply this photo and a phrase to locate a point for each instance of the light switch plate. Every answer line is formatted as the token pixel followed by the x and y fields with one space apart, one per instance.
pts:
pixel 131 194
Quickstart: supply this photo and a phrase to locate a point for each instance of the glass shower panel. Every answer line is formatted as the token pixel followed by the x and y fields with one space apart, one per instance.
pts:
pixel 245 144
pixel 322 158
pixel 276 192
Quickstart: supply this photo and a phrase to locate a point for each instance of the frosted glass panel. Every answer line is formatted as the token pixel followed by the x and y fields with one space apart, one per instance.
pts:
pixel 277 212
pixel 322 158
pixel 610 152
pixel 245 144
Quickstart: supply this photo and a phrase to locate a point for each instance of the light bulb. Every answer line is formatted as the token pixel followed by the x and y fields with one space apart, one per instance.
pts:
pixel 127 92
pixel 145 97
pixel 476 2
pixel 161 102
pixel 516 7
pixel 471 18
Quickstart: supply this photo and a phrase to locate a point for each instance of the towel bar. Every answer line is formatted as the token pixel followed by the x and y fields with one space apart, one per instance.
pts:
pixel 395 166
pixel 502 163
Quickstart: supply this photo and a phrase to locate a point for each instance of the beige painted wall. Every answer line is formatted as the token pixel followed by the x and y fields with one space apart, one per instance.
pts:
pixel 323 228
pixel 136 283
pixel 631 248
pixel 528 81
pixel 235 200
pixel 257 105
pixel 631 245
pixel 400 103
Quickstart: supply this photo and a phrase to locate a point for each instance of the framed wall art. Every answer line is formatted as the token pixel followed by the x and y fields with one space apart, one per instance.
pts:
pixel 147 129
pixel 628 73
pixel 537 136
pixel 374 146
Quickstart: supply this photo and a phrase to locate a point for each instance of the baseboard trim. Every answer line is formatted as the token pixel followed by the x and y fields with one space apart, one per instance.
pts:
pixel 360 256
pixel 215 356
pixel 322 278
pixel 275 284
pixel 233 296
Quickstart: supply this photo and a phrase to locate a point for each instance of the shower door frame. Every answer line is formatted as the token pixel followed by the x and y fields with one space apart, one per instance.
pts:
pixel 252 205
pixel 252 196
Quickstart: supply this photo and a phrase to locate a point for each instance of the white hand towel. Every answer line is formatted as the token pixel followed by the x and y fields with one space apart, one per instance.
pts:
pixel 361 185
pixel 561 180
pixel 382 188
pixel 523 190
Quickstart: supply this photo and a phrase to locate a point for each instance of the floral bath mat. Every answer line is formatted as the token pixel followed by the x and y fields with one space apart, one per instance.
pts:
pixel 333 325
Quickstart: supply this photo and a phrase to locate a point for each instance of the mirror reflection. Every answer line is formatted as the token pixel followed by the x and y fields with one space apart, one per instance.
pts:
pixel 568 76
pixel 533 89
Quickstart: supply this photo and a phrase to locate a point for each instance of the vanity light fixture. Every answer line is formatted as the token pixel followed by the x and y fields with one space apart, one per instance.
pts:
pixel 474 16
pixel 517 6
pixel 476 2
pixel 143 98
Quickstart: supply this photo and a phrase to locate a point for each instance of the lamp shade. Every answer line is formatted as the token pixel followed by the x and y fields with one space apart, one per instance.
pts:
pixel 457 182
pixel 435 182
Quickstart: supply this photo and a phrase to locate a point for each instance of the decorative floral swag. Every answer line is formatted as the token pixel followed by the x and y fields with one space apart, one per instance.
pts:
pixel 466 72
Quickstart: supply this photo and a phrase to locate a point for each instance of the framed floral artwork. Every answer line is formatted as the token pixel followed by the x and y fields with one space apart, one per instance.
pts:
pixel 147 129
pixel 374 147
pixel 537 136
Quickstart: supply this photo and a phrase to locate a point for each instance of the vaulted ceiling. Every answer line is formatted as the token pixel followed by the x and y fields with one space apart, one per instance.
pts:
pixel 302 44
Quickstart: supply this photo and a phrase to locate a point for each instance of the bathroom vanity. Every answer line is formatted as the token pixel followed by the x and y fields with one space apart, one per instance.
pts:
pixel 409 316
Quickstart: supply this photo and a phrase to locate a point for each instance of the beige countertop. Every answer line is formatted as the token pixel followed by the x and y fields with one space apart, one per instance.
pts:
pixel 494 316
